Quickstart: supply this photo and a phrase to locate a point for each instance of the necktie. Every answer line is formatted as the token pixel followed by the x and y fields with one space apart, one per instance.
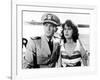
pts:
pixel 50 45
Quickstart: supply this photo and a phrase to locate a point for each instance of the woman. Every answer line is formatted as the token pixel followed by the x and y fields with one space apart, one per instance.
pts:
pixel 72 52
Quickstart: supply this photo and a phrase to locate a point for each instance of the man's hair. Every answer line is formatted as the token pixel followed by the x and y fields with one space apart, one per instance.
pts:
pixel 55 26
pixel 50 23
pixel 75 33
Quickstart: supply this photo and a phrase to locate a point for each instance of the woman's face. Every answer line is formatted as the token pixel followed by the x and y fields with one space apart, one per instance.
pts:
pixel 68 32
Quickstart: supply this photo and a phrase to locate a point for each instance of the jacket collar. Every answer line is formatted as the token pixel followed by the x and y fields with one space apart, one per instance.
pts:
pixel 45 46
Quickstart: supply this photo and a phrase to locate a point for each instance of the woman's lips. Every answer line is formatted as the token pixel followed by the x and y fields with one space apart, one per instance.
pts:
pixel 66 34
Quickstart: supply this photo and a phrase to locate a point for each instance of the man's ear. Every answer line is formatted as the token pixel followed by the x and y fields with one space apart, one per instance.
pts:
pixel 55 29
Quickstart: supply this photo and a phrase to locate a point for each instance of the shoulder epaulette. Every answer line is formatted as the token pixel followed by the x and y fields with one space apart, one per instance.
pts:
pixel 35 38
pixel 57 37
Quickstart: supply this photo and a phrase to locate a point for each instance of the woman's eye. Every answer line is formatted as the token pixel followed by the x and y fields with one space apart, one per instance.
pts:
pixel 69 28
pixel 65 29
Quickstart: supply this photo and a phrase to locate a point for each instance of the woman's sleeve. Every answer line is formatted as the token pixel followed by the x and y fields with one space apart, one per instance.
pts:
pixel 58 64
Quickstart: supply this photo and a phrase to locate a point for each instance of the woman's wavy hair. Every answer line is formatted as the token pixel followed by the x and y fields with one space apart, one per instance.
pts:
pixel 75 33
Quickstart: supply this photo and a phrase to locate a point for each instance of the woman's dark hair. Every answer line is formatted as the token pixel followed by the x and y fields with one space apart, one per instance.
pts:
pixel 75 33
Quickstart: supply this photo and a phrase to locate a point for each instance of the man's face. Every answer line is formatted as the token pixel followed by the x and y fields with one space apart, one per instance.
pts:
pixel 49 29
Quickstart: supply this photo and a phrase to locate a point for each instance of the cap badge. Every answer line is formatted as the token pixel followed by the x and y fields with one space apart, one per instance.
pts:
pixel 49 17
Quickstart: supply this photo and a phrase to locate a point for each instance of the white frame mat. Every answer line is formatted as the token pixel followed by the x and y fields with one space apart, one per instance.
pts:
pixel 18 7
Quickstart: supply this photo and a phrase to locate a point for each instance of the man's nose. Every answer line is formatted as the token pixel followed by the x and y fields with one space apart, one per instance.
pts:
pixel 48 27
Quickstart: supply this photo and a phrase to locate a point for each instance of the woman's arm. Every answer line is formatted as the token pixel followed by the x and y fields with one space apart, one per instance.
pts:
pixel 84 54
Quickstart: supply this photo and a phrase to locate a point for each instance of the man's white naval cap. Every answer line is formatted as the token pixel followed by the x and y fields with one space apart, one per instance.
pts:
pixel 51 18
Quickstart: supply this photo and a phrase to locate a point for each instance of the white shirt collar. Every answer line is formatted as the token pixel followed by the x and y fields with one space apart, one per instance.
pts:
pixel 51 39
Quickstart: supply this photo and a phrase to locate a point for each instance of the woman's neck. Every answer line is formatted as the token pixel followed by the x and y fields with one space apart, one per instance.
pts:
pixel 69 40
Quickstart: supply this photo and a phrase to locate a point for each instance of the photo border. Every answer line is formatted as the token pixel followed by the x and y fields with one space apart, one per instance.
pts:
pixel 22 34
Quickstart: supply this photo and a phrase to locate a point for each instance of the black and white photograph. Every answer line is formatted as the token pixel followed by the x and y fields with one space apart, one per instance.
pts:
pixel 52 39
pixel 55 39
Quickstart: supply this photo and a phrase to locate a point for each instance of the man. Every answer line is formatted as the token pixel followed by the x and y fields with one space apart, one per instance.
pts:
pixel 43 52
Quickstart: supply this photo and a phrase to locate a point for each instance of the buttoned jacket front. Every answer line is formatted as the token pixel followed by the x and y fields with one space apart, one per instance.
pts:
pixel 38 53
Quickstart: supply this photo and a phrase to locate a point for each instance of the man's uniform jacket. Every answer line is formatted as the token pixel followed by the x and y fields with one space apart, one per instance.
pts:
pixel 38 54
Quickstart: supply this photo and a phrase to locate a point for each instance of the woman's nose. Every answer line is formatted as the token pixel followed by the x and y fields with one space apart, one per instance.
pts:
pixel 66 31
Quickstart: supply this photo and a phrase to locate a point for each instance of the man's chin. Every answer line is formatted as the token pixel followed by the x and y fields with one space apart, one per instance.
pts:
pixel 49 35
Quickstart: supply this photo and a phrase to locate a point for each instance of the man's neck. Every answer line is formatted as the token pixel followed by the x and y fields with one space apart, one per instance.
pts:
pixel 49 37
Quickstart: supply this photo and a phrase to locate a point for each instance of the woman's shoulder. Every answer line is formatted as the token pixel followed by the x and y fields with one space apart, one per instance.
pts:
pixel 78 45
pixel 61 42
pixel 62 46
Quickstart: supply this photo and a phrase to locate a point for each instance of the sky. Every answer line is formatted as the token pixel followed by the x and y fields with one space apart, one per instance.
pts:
pixel 31 30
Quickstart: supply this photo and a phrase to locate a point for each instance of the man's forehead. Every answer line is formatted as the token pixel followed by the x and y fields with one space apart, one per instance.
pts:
pixel 48 23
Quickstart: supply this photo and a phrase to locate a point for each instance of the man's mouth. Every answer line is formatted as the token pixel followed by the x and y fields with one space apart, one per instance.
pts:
pixel 48 32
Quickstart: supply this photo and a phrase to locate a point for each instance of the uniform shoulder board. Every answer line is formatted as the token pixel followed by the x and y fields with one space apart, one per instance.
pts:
pixel 56 37
pixel 35 38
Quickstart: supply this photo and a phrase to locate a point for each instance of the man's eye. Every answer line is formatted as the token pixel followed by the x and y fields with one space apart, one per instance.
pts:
pixel 69 29
pixel 46 24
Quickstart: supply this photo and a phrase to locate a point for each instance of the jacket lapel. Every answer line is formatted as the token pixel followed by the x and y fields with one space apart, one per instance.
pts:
pixel 54 46
pixel 44 46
